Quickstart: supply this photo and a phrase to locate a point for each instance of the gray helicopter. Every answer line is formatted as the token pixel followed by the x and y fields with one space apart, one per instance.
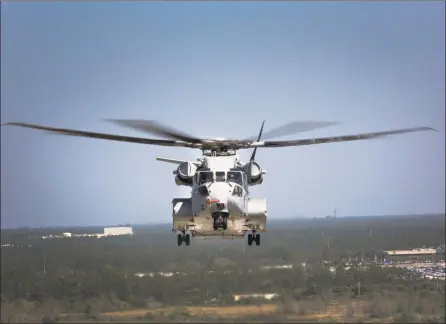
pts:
pixel 220 205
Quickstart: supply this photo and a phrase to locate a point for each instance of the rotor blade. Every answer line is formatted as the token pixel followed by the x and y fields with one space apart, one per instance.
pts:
pixel 154 127
pixel 74 132
pixel 295 127
pixel 253 156
pixel 345 138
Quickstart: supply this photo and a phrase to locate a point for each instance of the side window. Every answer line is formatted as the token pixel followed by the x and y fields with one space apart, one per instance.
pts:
pixel 236 177
pixel 238 191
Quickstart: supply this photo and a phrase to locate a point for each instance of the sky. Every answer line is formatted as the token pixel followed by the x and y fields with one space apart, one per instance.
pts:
pixel 219 69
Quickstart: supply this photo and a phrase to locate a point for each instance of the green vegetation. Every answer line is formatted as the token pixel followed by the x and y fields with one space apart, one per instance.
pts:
pixel 80 279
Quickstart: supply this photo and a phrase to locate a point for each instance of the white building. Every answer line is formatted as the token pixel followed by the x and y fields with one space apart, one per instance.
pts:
pixel 118 231
pixel 411 252
pixel 271 296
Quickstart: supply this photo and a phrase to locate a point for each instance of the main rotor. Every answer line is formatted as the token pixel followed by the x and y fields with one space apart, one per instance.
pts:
pixel 218 146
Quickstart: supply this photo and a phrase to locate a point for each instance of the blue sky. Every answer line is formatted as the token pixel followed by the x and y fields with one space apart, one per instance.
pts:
pixel 219 69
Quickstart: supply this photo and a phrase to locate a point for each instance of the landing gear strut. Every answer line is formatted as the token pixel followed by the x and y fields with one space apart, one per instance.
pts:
pixel 183 236
pixel 253 237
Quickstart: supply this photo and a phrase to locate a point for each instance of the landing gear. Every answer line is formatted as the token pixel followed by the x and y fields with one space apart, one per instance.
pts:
pixel 220 220
pixel 253 237
pixel 183 236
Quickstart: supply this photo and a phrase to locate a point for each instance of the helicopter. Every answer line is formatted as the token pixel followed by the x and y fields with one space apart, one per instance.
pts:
pixel 220 205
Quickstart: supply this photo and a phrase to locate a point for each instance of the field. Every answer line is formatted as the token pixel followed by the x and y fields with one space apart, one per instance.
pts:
pixel 331 272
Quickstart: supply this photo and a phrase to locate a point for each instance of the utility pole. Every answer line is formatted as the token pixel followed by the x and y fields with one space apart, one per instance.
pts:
pixel 44 262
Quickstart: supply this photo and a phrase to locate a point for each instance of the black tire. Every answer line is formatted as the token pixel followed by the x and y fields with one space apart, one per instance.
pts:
pixel 257 239
pixel 187 239
pixel 249 239
pixel 179 239
pixel 225 223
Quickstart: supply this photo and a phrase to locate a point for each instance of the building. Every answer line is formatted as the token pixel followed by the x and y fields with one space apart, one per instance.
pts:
pixel 118 231
pixel 413 252
pixel 238 297
pixel 108 231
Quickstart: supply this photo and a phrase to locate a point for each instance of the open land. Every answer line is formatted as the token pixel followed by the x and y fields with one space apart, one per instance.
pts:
pixel 306 270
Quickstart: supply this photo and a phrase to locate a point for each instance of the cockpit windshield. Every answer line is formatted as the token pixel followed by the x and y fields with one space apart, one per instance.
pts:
pixel 236 177
pixel 205 177
pixel 220 176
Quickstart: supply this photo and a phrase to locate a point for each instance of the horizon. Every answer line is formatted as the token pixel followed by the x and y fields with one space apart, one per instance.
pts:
pixel 286 219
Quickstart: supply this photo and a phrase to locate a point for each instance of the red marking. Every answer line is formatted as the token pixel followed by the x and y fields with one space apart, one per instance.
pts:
pixel 211 201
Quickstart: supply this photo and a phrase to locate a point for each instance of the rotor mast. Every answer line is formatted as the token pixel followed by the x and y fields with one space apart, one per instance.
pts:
pixel 219 151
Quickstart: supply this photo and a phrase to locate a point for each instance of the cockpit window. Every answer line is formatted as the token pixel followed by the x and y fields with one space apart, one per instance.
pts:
pixel 220 176
pixel 205 177
pixel 235 176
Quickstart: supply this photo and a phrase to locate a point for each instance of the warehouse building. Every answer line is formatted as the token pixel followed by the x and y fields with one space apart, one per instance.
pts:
pixel 118 231
pixel 410 252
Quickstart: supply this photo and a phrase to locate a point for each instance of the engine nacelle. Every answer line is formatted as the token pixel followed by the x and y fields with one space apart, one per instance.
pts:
pixel 257 207
pixel 185 172
pixel 254 173
pixel 257 213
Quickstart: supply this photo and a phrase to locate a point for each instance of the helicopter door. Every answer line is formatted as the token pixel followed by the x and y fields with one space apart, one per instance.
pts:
pixel 238 184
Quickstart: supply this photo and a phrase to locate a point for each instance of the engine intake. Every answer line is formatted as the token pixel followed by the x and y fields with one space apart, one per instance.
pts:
pixel 185 172
pixel 254 172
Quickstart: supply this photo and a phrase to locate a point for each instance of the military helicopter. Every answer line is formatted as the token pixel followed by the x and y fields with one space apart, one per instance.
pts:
pixel 220 205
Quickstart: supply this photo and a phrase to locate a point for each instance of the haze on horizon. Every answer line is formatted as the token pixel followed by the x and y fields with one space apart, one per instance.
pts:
pixel 218 69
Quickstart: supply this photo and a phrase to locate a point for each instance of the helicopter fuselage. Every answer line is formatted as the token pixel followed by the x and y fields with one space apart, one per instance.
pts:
pixel 220 205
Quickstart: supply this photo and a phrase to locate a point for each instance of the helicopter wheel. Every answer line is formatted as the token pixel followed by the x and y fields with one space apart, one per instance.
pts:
pixel 187 239
pixel 250 239
pixel 257 239
pixel 225 223
pixel 179 239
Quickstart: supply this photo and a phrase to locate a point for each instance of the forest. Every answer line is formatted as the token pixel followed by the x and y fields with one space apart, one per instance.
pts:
pixel 334 274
